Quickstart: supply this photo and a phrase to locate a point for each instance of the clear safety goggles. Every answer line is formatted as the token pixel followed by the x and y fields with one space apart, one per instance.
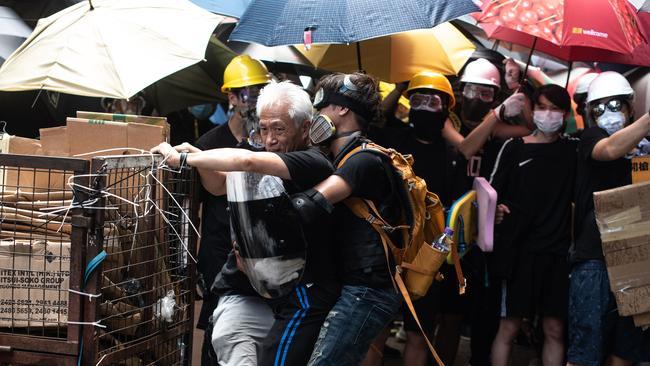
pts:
pixel 249 93
pixel 427 102
pixel 614 105
pixel 475 91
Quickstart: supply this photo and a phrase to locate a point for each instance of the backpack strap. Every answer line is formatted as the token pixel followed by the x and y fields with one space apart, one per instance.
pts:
pixel 459 270
pixel 409 303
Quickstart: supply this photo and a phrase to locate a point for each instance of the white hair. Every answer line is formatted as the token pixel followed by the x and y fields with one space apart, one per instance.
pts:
pixel 294 97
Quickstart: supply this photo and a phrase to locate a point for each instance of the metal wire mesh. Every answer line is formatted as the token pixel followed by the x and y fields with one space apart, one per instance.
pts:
pixel 35 247
pixel 56 216
pixel 146 278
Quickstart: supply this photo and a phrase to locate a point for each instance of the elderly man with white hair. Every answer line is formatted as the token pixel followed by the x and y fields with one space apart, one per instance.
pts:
pixel 248 329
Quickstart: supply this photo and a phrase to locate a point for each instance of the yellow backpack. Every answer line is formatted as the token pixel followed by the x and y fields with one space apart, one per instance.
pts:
pixel 422 222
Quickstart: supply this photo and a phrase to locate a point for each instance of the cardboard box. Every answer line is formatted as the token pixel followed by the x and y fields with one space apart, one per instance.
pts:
pixel 623 217
pixel 147 120
pixel 55 141
pixel 27 179
pixel 34 281
pixel 101 137
pixel 642 320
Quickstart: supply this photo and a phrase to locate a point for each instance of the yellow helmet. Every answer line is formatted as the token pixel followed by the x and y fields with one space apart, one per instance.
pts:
pixel 432 80
pixel 244 71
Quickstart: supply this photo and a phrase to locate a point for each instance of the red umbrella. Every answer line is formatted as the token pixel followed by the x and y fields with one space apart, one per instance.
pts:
pixel 572 30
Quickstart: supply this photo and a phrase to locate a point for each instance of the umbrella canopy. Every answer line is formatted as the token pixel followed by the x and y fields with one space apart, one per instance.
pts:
pixel 397 57
pixel 231 8
pixel 572 30
pixel 603 24
pixel 13 32
pixel 274 23
pixel 196 84
pixel 283 54
pixel 112 50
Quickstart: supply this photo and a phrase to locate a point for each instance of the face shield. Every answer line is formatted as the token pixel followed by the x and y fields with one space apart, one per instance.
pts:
pixel 268 232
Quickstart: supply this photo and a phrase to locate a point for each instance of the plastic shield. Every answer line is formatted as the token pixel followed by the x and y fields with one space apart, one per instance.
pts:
pixel 268 232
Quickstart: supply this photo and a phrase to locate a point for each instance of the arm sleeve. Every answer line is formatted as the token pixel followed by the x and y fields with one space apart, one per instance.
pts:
pixel 364 173
pixel 307 168
pixel 588 140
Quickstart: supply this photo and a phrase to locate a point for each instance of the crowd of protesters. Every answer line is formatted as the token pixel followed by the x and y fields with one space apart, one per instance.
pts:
pixel 489 122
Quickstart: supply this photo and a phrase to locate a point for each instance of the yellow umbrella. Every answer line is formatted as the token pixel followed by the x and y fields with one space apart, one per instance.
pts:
pixel 397 57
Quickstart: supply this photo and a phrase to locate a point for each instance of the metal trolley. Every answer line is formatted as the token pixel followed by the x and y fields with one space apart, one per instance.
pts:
pixel 96 261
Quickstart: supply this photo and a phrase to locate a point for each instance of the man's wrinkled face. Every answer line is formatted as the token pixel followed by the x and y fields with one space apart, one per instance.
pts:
pixel 279 132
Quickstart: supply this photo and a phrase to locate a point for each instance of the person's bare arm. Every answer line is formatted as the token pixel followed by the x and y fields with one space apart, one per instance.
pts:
pixel 212 164
pixel 389 104
pixel 450 134
pixel 335 189
pixel 477 138
pixel 622 141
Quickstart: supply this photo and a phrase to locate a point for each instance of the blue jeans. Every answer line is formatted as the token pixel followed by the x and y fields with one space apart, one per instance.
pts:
pixel 358 316
pixel 590 313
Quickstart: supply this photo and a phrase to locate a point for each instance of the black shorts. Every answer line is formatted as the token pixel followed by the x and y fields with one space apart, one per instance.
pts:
pixel 426 308
pixel 539 286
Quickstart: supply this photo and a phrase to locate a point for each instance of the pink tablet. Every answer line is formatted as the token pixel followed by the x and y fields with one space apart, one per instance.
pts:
pixel 486 198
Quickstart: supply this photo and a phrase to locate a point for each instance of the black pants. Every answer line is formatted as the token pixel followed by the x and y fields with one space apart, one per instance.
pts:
pixel 298 320
pixel 484 317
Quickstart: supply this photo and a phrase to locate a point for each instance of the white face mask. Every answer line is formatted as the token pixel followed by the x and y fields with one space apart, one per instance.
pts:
pixel 548 121
pixel 611 121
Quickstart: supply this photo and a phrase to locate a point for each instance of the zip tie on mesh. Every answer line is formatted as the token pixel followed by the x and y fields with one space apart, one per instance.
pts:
pixel 624 289
pixel 177 204
pixel 90 296
pixel 142 152
pixel 96 324
pixel 180 238
pixel 101 360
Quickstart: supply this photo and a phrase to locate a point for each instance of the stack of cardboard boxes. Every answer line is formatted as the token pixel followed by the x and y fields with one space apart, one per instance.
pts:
pixel 34 247
pixel 623 216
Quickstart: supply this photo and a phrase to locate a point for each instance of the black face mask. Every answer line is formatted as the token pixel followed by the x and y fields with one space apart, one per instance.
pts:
pixel 427 124
pixel 475 109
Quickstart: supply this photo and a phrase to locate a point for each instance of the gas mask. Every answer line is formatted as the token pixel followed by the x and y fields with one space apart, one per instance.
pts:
pixel 548 121
pixel 611 121
pixel 322 131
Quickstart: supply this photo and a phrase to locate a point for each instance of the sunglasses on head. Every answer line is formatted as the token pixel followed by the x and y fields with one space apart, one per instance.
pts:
pixel 614 105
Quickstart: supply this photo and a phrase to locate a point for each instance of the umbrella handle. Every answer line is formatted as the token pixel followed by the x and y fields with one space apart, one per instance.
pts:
pixel 530 57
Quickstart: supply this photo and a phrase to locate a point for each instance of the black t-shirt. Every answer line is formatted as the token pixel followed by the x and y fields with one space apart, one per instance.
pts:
pixel 365 172
pixel 593 176
pixel 306 168
pixel 461 172
pixel 536 180
pixel 215 228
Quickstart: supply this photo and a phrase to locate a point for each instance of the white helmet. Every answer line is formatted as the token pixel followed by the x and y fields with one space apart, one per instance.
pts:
pixel 481 71
pixel 584 81
pixel 609 84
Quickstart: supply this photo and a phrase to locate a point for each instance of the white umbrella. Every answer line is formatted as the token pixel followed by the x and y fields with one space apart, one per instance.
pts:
pixel 110 48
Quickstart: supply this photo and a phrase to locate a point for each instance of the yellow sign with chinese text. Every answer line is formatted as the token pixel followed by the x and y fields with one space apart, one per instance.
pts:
pixel 640 171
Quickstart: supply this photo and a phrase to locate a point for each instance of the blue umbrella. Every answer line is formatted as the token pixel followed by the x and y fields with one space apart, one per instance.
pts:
pixel 283 22
pixel 231 8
